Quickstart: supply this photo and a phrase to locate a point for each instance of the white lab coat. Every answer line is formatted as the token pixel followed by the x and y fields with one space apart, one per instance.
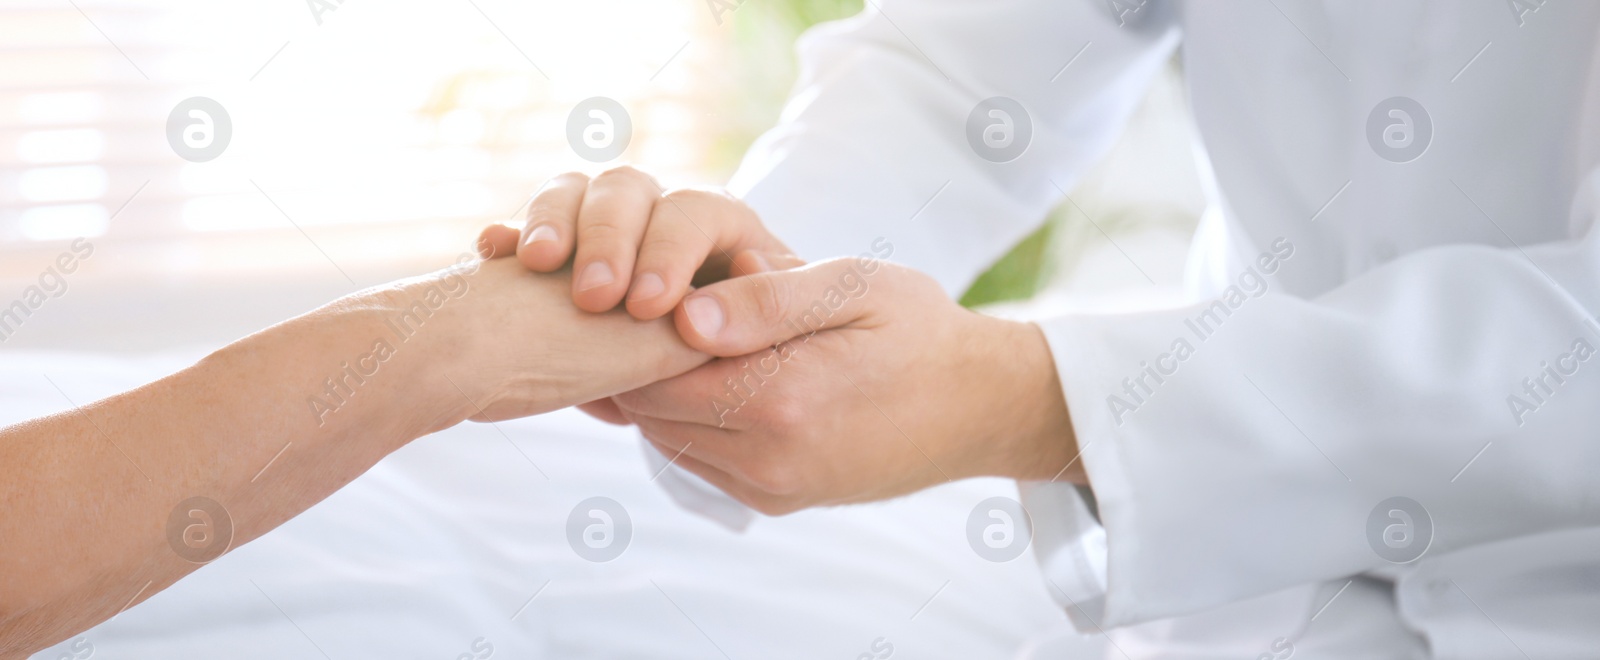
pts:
pixel 1380 361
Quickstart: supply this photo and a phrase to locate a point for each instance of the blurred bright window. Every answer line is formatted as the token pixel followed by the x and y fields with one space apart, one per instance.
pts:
pixel 373 128
pixel 378 135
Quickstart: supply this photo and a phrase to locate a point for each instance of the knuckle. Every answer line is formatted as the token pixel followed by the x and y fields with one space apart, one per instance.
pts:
pixel 598 231
pixel 577 178
pixel 664 247
pixel 709 205
pixel 539 214
pixel 771 297
pixel 627 175
pixel 680 195
pixel 697 196
pixel 774 475
pixel 914 281
pixel 784 413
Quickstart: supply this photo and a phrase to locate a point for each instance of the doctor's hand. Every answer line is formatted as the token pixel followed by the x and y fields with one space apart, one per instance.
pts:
pixel 627 238
pixel 853 380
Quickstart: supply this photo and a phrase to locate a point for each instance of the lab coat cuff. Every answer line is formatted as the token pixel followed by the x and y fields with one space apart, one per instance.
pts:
pixel 1070 546
pixel 1084 358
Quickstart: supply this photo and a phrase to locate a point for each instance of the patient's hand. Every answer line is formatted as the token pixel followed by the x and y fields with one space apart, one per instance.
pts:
pixel 634 239
pixel 525 349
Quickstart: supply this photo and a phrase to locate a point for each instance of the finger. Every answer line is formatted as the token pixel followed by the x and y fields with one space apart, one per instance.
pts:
pixel 692 232
pixel 606 411
pixel 711 395
pixel 744 314
pixel 548 234
pixel 498 240
pixel 728 452
pixel 746 494
pixel 610 224
pixel 721 479
pixel 678 440
pixel 750 262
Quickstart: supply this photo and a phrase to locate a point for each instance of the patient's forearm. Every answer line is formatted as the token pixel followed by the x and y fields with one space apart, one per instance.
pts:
pixel 97 501
pixel 88 493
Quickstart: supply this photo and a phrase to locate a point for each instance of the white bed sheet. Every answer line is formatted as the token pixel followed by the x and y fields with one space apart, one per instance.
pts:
pixel 432 552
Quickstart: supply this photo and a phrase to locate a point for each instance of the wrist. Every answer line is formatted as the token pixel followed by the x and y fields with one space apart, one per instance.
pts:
pixel 386 364
pixel 436 356
pixel 1026 430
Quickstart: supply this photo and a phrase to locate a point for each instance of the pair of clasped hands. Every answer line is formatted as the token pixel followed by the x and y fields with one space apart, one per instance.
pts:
pixel 788 385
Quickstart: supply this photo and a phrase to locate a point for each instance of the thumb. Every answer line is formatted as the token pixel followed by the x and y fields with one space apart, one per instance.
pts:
pixel 745 314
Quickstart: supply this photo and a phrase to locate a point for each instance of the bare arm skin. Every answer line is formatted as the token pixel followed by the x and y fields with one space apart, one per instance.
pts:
pixel 88 493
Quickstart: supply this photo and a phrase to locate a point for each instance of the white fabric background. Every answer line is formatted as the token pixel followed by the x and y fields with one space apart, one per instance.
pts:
pixel 443 541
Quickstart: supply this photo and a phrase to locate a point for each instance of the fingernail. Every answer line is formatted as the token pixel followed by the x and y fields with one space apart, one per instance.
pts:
pixel 540 233
pixel 649 285
pixel 705 314
pixel 596 274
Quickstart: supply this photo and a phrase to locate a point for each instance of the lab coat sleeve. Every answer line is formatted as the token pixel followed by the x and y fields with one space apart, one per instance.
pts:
pixel 873 142
pixel 1238 450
